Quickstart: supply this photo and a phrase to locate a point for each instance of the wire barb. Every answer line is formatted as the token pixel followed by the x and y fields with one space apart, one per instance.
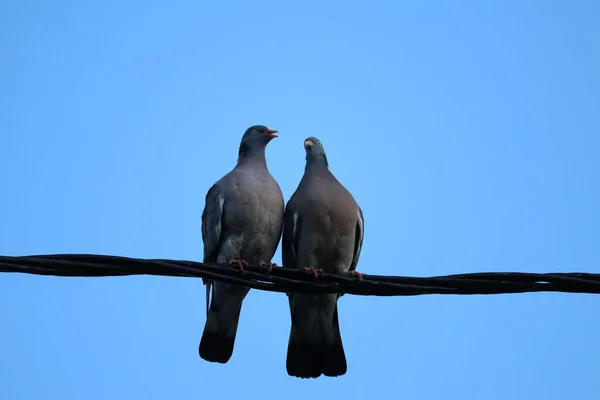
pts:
pixel 284 280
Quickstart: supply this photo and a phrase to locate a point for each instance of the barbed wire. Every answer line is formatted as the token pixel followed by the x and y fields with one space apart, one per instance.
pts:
pixel 298 281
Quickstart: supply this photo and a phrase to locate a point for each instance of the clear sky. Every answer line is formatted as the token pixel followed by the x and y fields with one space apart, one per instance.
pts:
pixel 467 131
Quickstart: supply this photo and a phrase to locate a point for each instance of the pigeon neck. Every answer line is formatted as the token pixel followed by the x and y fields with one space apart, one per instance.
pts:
pixel 249 154
pixel 316 162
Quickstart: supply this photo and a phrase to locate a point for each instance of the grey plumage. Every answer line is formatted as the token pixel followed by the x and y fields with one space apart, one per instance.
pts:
pixel 323 229
pixel 242 220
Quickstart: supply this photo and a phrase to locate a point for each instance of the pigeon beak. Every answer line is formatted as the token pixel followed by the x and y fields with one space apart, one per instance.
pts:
pixel 271 132
pixel 308 143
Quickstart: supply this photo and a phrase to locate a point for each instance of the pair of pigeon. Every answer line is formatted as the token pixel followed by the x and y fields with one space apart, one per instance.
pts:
pixel 242 222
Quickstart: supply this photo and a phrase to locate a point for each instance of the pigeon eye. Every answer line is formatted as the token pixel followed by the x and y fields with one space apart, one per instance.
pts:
pixel 319 142
pixel 254 132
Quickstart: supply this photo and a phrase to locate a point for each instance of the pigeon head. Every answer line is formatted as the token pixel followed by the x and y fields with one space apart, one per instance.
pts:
pixel 315 153
pixel 255 141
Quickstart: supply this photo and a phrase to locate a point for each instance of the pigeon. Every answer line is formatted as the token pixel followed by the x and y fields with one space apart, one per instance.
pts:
pixel 323 228
pixel 241 224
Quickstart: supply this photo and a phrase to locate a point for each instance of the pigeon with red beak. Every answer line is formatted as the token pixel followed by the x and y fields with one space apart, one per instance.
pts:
pixel 241 224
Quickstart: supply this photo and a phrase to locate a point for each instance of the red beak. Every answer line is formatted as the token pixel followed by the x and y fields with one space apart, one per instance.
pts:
pixel 271 132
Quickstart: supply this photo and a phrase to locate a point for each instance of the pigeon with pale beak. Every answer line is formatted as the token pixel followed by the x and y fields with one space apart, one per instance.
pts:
pixel 323 228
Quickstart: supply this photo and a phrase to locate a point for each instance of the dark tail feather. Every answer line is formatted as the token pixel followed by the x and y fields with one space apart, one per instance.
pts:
pixel 216 345
pixel 334 357
pixel 303 359
pixel 310 360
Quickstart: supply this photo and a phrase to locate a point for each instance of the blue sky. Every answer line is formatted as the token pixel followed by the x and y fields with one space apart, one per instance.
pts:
pixel 467 131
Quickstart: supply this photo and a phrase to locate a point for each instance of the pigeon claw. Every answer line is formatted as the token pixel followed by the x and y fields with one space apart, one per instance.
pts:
pixel 314 271
pixel 268 264
pixel 240 263
pixel 356 274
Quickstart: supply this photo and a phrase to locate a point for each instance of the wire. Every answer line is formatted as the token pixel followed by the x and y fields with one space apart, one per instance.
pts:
pixel 285 280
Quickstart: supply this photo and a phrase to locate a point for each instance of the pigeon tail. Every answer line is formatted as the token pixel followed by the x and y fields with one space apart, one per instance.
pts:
pixel 216 347
pixel 218 338
pixel 308 358
pixel 334 357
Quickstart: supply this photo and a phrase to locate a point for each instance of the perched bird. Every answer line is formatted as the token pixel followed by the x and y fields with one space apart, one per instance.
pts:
pixel 323 227
pixel 241 223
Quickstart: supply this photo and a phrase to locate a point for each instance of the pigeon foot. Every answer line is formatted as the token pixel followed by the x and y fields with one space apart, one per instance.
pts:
pixel 269 264
pixel 314 271
pixel 240 263
pixel 355 274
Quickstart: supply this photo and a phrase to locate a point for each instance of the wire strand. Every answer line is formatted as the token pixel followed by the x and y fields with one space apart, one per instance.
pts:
pixel 284 280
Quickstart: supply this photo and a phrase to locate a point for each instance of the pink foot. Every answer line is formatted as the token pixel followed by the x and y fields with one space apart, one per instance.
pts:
pixel 314 271
pixel 355 274
pixel 240 263
pixel 269 264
